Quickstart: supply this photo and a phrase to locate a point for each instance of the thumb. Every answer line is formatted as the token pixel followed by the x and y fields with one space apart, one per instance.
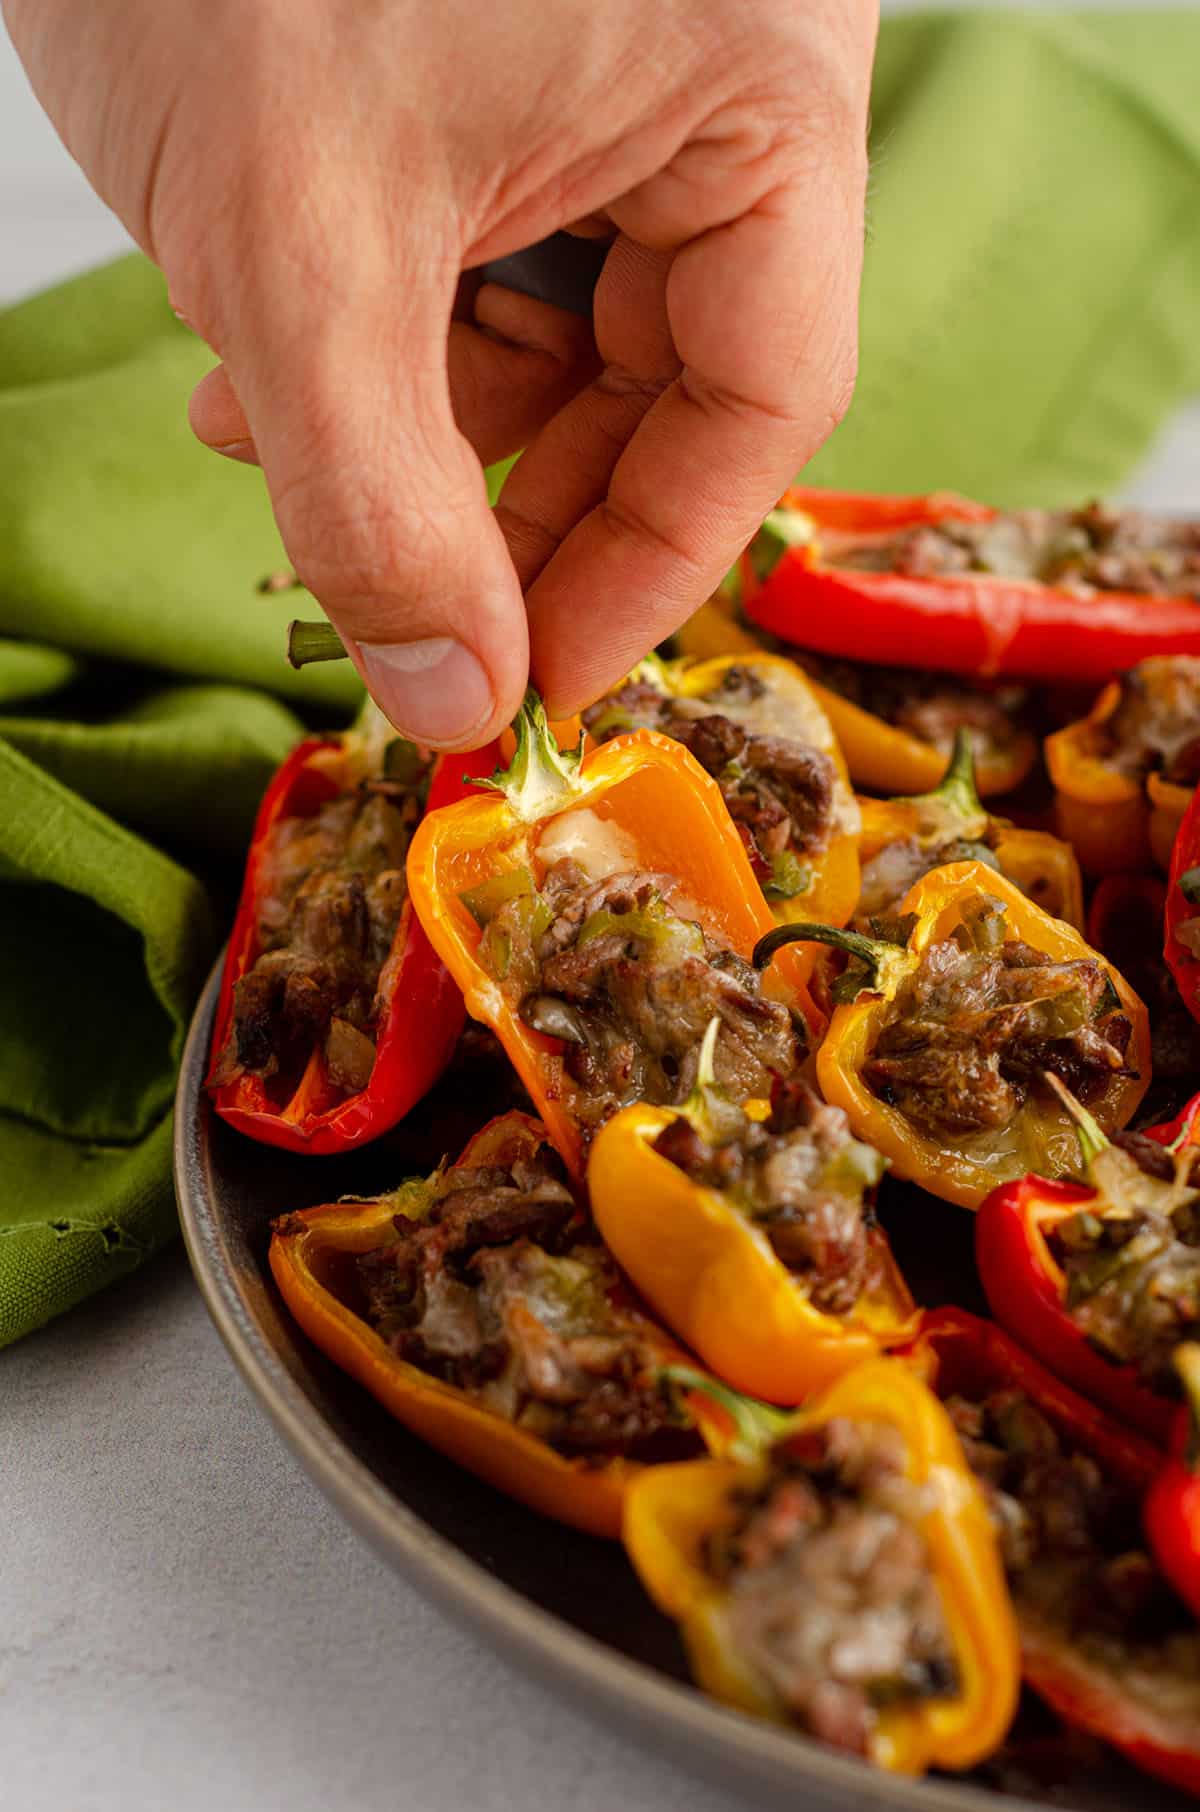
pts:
pixel 383 510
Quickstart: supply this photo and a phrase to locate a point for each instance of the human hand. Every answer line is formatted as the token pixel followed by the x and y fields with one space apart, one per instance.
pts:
pixel 314 177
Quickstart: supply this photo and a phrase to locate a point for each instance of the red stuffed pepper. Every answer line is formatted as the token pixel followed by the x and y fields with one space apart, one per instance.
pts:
pixel 1182 930
pixel 1105 1640
pixel 335 1016
pixel 1102 1280
pixel 941 581
pixel 1172 1509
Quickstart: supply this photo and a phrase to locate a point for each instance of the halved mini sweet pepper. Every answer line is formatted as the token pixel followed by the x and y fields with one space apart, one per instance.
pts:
pixel 971 622
pixel 930 1051
pixel 675 1516
pixel 879 756
pixel 703 1255
pixel 951 824
pixel 1027 1288
pixel 1082 1682
pixel 640 803
pixel 1171 1513
pixel 797 815
pixel 1181 930
pixel 315 1255
pixel 417 1010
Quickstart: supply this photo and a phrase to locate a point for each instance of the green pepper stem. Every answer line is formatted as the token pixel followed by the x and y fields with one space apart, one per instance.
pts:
pixel 1186 1134
pixel 706 1063
pixel 869 950
pixel 1092 1139
pixel 542 778
pixel 781 531
pixel 1189 885
pixel 757 1425
pixel 957 791
pixel 308 642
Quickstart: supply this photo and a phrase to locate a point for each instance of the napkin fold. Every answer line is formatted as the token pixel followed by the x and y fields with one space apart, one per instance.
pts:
pixel 1029 306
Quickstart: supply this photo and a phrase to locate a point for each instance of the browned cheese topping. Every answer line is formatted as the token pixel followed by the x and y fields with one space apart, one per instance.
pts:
pixel 981 1019
pixel 929 706
pixel 780 792
pixel 630 987
pixel 1072 1546
pixel 831 1598
pixel 501 1288
pixel 802 1177
pixel 332 891
pixel 1133 1269
pixel 1084 551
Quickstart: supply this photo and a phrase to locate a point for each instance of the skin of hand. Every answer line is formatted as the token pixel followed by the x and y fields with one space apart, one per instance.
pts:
pixel 315 177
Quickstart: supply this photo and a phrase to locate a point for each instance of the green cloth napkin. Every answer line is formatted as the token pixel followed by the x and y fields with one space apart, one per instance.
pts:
pixel 1031 289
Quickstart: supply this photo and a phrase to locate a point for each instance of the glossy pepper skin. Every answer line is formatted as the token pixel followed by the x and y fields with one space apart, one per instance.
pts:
pixel 1171 1513
pixel 652 792
pixel 1113 821
pixel 1183 902
pixel 790 709
pixel 879 756
pixel 1026 1289
pixel 969 623
pixel 1043 867
pixel 714 1277
pixel 974 1358
pixel 947 1170
pixel 671 1511
pixel 308 1253
pixel 422 1012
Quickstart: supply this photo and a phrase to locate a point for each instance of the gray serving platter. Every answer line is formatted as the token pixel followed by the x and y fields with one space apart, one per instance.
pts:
pixel 567 1608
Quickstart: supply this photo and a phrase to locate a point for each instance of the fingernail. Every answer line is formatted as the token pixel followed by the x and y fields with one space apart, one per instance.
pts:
pixel 237 449
pixel 434 691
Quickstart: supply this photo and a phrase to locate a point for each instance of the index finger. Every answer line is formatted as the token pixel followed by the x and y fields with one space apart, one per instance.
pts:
pixel 763 312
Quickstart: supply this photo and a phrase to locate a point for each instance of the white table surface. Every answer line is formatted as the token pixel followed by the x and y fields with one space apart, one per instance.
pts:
pixel 185 1623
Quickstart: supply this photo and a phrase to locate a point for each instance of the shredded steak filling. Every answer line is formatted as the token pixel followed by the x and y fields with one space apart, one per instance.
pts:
pixel 927 705
pixel 503 1290
pixel 1086 550
pixel 333 889
pixel 1072 1546
pixel 630 987
pixel 888 875
pixel 831 1595
pixel 803 1178
pixel 975 1027
pixel 1133 1273
pixel 1156 725
pixel 780 792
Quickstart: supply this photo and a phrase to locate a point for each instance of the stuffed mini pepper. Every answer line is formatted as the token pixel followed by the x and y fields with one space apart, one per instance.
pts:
pixel 940 1048
pixel 841 1577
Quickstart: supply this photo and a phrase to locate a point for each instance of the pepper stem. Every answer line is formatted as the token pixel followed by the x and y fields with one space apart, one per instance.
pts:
pixel 869 950
pixel 957 785
pixel 308 642
pixel 706 1063
pixel 1092 1139
pixel 1187 1364
pixel 1187 1132
pixel 542 778
pixel 756 1425
pixel 781 531
pixel 1189 885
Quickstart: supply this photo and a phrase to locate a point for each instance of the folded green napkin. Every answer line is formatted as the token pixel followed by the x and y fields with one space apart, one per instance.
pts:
pixel 1032 281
